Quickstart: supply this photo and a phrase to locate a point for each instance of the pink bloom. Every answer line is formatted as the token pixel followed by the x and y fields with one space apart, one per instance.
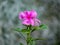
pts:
pixel 28 17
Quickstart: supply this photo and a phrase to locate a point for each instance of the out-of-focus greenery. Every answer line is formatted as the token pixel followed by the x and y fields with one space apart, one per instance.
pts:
pixel 48 12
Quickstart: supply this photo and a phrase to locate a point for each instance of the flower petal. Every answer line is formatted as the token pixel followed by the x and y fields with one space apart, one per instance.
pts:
pixel 37 22
pixel 32 22
pixel 26 22
pixel 26 12
pixel 33 14
pixel 21 15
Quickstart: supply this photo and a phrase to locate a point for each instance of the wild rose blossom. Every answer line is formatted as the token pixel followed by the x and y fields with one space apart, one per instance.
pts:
pixel 29 18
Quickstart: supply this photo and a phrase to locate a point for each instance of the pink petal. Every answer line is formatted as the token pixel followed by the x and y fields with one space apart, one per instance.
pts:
pixel 32 22
pixel 37 22
pixel 26 22
pixel 33 13
pixel 27 12
pixel 21 15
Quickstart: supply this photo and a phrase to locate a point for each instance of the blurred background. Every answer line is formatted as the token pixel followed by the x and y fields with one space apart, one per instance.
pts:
pixel 48 12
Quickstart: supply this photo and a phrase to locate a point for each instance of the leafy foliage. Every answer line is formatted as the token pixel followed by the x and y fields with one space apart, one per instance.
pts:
pixel 41 27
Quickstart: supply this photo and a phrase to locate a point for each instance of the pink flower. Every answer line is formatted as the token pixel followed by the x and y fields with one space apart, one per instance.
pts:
pixel 29 17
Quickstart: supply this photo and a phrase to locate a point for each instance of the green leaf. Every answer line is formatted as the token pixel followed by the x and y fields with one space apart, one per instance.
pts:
pixel 25 31
pixel 21 44
pixel 22 30
pixel 30 41
pixel 43 26
pixel 18 29
pixel 35 28
pixel 39 39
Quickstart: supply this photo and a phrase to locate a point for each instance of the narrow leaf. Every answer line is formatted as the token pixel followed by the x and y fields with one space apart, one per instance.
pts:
pixel 39 39
pixel 43 26
pixel 18 29
pixel 25 31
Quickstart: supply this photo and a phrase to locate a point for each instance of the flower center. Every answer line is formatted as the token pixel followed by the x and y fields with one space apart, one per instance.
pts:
pixel 28 17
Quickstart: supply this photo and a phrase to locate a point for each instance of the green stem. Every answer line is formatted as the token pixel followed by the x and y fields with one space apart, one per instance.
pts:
pixel 28 35
pixel 28 38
